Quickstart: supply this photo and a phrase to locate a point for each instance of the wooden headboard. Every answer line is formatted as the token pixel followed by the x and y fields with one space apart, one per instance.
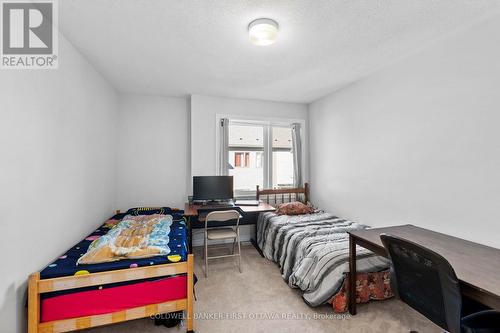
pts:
pixel 283 195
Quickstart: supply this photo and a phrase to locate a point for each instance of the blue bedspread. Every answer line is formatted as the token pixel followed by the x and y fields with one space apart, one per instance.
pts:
pixel 66 265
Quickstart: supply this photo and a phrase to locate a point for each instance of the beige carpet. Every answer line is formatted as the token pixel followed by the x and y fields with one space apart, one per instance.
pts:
pixel 258 300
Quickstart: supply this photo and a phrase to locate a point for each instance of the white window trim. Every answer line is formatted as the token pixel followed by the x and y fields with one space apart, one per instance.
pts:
pixel 268 160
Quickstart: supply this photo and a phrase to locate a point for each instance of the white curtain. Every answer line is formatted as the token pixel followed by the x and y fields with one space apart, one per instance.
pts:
pixel 223 147
pixel 297 155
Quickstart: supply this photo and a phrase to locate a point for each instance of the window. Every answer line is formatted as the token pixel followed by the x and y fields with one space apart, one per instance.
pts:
pixel 259 159
pixel 241 160
pixel 260 153
pixel 246 142
pixel 282 157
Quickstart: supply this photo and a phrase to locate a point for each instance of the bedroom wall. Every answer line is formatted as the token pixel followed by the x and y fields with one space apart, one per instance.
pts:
pixel 57 162
pixel 203 131
pixel 152 163
pixel 417 142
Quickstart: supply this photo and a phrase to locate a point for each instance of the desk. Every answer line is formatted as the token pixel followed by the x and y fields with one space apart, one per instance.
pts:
pixel 249 213
pixel 477 266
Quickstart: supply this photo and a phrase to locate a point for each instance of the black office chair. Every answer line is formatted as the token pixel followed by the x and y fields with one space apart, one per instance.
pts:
pixel 426 281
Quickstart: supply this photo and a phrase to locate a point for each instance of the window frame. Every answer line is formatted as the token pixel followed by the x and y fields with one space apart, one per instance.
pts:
pixel 267 152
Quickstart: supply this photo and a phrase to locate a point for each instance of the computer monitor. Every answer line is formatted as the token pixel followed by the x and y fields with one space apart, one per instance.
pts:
pixel 212 188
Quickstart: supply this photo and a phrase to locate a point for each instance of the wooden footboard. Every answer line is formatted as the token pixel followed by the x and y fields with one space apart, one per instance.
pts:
pixel 36 287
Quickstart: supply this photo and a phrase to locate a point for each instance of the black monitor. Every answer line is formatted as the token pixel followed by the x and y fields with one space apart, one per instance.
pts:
pixel 212 188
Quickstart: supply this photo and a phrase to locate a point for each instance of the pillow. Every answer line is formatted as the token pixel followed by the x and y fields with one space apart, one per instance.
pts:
pixel 149 211
pixel 294 208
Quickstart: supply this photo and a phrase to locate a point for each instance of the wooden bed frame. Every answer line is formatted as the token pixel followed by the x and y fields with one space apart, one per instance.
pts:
pixel 284 194
pixel 37 286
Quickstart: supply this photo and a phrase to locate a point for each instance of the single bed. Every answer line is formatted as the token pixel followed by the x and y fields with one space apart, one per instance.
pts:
pixel 67 296
pixel 312 251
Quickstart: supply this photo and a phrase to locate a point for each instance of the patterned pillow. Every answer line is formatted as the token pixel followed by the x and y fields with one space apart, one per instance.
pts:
pixel 294 208
pixel 150 211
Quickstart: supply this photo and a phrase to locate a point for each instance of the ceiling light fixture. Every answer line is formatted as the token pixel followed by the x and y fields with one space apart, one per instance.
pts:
pixel 263 31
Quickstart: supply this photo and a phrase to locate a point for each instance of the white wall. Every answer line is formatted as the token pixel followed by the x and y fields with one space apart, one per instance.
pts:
pixel 417 142
pixel 57 162
pixel 152 165
pixel 204 110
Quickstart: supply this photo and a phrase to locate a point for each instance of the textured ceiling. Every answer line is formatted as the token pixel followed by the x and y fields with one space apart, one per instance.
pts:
pixel 177 48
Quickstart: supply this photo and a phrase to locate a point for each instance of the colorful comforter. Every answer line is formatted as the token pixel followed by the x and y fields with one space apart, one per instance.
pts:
pixel 312 251
pixel 134 237
pixel 66 263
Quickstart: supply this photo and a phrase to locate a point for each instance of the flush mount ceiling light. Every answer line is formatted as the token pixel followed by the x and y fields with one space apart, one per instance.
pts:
pixel 263 31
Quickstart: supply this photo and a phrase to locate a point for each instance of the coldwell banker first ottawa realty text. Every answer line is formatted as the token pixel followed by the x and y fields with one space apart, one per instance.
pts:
pixel 29 34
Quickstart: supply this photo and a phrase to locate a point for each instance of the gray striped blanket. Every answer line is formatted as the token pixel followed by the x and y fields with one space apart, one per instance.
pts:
pixel 312 252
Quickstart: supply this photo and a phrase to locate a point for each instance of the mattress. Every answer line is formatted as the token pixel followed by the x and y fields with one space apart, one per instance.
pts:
pixel 113 297
pixel 66 264
pixel 312 251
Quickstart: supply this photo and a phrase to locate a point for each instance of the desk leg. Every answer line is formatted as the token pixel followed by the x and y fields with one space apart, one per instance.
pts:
pixel 352 275
pixel 254 240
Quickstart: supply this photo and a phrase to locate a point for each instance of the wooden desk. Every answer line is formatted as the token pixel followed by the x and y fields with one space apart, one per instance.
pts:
pixel 477 266
pixel 249 217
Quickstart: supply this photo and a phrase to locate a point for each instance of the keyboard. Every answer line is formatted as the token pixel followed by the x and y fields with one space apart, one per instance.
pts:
pixel 247 202
pixel 216 206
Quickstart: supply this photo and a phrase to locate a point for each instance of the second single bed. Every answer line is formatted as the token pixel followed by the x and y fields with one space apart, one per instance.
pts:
pixel 312 251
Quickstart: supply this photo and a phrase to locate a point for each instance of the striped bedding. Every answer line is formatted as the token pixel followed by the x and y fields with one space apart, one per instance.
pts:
pixel 312 252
